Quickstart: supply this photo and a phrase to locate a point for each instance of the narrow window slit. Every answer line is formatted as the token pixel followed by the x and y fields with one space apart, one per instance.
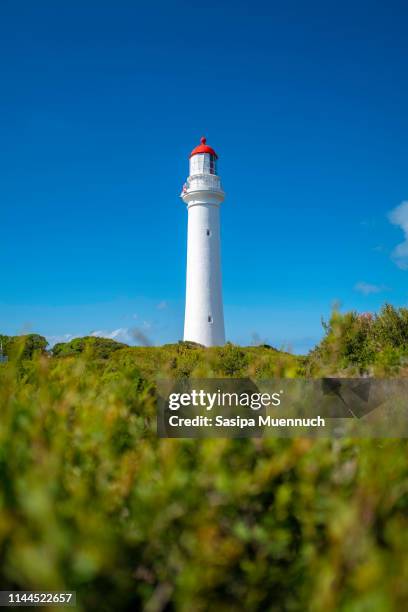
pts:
pixel 208 233
pixel 210 319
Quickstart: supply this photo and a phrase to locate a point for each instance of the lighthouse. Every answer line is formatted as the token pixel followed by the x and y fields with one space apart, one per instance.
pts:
pixel 203 195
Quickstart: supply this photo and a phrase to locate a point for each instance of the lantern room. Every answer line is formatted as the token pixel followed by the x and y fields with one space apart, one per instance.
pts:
pixel 203 159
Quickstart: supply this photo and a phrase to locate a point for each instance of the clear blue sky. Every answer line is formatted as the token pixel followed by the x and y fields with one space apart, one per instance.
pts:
pixel 101 102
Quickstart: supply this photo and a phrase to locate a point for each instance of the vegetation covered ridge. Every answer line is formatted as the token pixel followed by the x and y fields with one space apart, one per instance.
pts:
pixel 353 343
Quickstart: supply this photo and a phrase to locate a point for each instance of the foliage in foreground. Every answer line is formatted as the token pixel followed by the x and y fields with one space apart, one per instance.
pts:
pixel 92 501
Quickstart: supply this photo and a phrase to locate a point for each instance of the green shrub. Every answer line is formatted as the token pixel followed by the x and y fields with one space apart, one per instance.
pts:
pixel 98 348
pixel 23 347
pixel 230 360
pixel 363 340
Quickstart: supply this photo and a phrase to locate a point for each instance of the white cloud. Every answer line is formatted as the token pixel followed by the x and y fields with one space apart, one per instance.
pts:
pixel 368 289
pixel 122 334
pixel 128 335
pixel 162 305
pixel 52 340
pixel 125 334
pixel 399 216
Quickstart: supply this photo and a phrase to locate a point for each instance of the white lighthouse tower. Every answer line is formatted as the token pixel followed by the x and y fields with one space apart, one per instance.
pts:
pixel 203 194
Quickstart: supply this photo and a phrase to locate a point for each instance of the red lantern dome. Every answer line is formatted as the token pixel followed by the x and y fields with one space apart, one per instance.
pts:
pixel 203 148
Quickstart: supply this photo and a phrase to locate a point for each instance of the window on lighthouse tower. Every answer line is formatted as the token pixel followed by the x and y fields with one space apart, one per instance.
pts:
pixel 213 164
